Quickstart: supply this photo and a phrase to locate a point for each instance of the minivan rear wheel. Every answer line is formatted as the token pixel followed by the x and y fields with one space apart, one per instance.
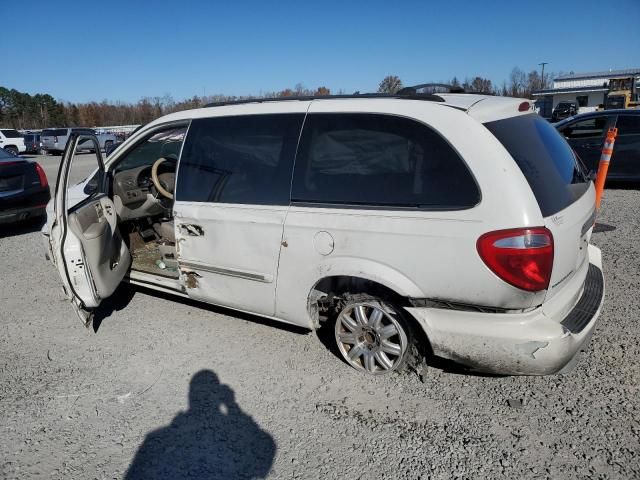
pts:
pixel 372 335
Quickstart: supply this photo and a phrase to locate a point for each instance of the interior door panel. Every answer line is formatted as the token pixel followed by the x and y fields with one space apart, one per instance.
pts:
pixel 94 223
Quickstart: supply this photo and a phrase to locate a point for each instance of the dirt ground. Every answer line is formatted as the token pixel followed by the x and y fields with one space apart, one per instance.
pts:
pixel 166 388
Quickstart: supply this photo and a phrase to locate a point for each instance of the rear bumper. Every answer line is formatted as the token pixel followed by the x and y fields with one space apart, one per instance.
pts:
pixel 52 147
pixel 542 341
pixel 24 205
pixel 21 214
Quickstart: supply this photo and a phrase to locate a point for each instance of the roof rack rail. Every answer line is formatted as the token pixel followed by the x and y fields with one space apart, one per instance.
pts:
pixel 432 89
pixel 399 95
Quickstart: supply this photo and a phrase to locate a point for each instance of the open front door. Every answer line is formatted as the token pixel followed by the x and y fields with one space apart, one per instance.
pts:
pixel 88 250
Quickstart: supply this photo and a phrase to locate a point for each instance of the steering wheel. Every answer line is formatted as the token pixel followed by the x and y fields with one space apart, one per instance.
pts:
pixel 158 182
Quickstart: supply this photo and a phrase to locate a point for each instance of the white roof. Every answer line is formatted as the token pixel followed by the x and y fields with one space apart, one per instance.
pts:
pixel 483 108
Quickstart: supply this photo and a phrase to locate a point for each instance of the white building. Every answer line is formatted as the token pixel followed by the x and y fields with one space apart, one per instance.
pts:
pixel 588 90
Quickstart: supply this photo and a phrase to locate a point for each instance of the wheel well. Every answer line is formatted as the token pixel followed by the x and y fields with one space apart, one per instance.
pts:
pixel 329 293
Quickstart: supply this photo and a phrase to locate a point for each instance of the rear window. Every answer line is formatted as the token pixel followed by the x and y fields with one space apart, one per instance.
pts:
pixel 555 175
pixel 83 131
pixel 54 132
pixel 11 133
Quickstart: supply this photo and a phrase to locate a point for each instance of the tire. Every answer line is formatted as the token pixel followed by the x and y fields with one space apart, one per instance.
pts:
pixel 373 336
pixel 107 144
pixel 12 150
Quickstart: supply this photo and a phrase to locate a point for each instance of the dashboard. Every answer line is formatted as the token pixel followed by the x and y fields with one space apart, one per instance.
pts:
pixel 135 194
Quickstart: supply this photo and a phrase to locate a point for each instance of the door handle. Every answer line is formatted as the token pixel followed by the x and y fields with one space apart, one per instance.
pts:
pixel 592 145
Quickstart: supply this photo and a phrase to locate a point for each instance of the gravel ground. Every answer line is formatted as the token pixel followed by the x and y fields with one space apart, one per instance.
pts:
pixel 173 389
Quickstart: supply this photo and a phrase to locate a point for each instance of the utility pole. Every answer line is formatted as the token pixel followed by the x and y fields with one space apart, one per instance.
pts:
pixel 542 82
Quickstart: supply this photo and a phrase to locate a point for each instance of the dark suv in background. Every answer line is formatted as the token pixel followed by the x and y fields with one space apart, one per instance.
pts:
pixel 32 142
pixel 586 133
pixel 564 110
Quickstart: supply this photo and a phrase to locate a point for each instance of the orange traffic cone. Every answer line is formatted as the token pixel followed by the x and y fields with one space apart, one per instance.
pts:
pixel 603 167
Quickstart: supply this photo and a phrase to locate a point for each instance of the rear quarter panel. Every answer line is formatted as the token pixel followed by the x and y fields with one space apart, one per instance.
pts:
pixel 423 254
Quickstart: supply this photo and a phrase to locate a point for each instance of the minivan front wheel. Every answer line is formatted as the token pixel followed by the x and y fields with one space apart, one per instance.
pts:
pixel 372 335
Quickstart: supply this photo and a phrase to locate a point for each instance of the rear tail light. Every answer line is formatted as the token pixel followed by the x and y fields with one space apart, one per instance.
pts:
pixel 522 257
pixel 42 176
pixel 524 107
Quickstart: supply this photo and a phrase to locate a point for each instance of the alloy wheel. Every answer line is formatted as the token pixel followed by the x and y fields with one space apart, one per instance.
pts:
pixel 369 338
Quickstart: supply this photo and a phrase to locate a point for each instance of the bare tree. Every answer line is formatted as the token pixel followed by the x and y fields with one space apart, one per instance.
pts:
pixel 517 82
pixel 481 85
pixel 534 82
pixel 390 84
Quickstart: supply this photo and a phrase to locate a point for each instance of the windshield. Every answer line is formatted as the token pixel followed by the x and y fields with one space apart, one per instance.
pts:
pixel 552 170
pixel 616 101
pixel 11 134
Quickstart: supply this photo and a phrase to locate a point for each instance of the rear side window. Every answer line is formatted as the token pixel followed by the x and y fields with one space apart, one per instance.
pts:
pixel 545 158
pixel 244 159
pixel 379 160
pixel 54 132
pixel 628 125
pixel 589 128
pixel 11 133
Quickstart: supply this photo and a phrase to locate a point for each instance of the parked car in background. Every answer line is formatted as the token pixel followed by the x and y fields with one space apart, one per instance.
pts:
pixel 54 140
pixel 452 223
pixel 24 189
pixel 12 141
pixel 32 142
pixel 564 110
pixel 586 134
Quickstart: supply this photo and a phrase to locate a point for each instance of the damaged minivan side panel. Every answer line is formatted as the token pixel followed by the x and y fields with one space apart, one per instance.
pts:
pixel 232 198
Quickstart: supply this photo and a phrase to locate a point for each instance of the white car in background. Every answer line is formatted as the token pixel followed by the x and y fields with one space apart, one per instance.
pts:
pixel 453 224
pixel 12 141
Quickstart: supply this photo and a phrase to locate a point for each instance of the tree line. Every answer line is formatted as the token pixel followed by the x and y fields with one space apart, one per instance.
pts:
pixel 24 111
pixel 520 84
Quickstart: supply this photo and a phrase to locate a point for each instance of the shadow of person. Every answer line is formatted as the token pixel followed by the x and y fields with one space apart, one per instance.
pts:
pixel 214 439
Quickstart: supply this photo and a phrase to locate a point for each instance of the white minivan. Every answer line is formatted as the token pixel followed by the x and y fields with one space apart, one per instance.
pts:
pixel 453 225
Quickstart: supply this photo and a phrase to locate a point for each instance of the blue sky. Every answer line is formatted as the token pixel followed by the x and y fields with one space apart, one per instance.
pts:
pixel 124 50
